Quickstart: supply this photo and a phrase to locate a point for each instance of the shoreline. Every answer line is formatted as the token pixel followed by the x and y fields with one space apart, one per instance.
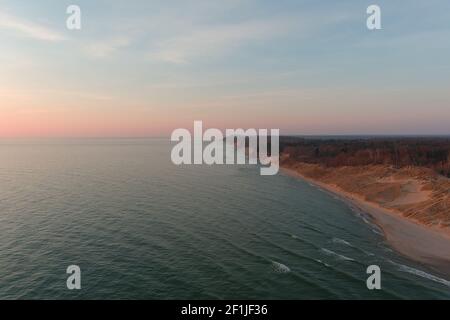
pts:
pixel 411 239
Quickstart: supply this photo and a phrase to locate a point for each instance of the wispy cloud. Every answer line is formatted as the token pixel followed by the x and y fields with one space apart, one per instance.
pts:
pixel 105 48
pixel 27 28
pixel 216 39
pixel 16 93
pixel 209 40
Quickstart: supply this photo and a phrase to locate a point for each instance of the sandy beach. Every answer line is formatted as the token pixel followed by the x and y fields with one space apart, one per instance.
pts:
pixel 416 241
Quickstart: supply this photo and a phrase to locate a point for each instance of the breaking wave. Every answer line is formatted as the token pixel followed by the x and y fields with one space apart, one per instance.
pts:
pixel 337 255
pixel 341 241
pixel 421 273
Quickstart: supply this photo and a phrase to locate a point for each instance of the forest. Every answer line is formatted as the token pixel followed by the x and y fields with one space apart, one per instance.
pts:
pixel 430 152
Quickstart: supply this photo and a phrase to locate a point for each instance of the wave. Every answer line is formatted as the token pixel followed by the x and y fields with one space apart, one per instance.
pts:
pixel 367 220
pixel 337 255
pixel 280 268
pixel 360 214
pixel 321 262
pixel 376 231
pixel 421 273
pixel 341 241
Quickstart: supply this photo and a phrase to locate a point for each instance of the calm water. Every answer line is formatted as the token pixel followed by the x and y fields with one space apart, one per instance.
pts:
pixel 140 227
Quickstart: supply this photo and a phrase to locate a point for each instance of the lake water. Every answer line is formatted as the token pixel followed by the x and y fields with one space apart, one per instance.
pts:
pixel 140 227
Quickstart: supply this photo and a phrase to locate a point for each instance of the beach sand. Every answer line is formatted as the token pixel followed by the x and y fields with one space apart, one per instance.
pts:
pixel 416 241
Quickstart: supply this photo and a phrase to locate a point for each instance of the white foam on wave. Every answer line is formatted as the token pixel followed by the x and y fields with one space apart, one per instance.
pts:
pixel 364 218
pixel 336 255
pixel 321 262
pixel 280 268
pixel 342 241
pixel 421 273
pixel 377 232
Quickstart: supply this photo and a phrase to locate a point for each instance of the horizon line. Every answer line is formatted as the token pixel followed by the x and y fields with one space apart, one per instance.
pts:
pixel 281 135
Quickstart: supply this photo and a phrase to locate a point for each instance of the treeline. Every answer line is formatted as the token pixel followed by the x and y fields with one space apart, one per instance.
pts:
pixel 433 152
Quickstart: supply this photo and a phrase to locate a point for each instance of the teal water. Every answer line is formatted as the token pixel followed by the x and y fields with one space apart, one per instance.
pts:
pixel 140 227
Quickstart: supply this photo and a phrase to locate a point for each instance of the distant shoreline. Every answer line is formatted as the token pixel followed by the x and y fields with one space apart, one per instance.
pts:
pixel 416 241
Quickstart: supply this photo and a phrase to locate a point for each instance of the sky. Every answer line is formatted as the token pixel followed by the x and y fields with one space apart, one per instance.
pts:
pixel 143 68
